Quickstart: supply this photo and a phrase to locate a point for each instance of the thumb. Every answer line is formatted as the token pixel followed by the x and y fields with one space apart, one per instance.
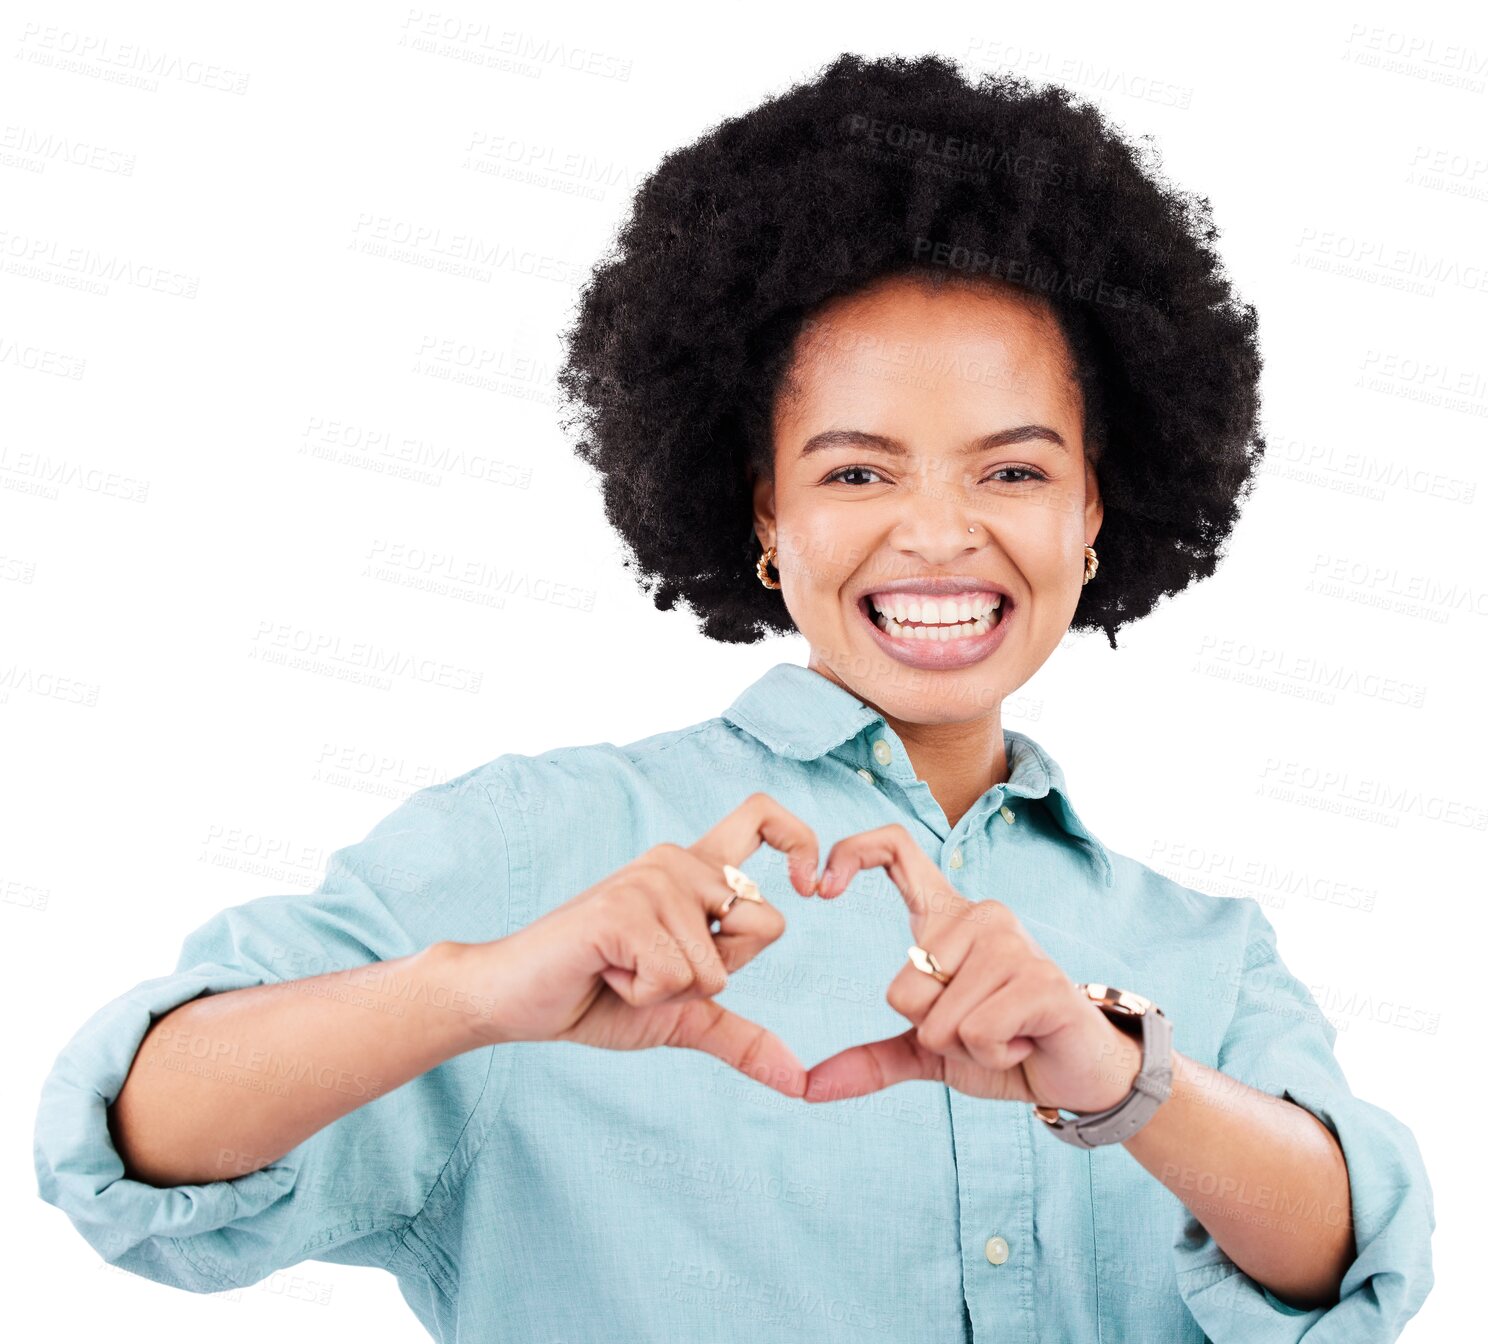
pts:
pixel 869 1068
pixel 744 1045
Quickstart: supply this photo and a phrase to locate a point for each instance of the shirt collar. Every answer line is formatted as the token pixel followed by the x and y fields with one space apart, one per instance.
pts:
pixel 801 714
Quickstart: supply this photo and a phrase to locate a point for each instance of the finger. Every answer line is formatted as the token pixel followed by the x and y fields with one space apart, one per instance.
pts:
pixel 661 968
pixel 861 1069
pixel 974 980
pixel 924 888
pixel 1001 1031
pixel 748 927
pixel 912 993
pixel 676 963
pixel 746 931
pixel 688 926
pixel 759 819
pixel 708 1026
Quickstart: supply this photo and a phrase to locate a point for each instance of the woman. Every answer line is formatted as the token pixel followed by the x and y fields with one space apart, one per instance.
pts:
pixel 930 373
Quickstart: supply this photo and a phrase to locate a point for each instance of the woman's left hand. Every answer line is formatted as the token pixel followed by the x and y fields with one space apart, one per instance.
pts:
pixel 1010 1025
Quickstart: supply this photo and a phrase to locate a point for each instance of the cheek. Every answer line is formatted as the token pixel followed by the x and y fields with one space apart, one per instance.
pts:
pixel 1043 537
pixel 818 548
pixel 1032 545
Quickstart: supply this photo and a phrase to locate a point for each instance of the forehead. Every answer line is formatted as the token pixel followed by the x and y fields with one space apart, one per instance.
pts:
pixel 956 349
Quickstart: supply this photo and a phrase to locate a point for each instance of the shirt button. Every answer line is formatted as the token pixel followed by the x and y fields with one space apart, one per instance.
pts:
pixel 867 774
pixel 956 858
pixel 1007 813
pixel 997 1250
pixel 882 752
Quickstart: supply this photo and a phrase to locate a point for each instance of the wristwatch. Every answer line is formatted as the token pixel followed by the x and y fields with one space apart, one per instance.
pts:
pixel 1151 1087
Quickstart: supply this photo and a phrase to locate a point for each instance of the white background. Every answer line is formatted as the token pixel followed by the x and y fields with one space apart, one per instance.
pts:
pixel 157 768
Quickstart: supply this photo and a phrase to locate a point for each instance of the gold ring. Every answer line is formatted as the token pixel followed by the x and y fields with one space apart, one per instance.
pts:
pixel 742 888
pixel 925 961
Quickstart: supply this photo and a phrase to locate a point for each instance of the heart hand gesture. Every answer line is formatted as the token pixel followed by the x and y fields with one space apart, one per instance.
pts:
pixel 1008 1025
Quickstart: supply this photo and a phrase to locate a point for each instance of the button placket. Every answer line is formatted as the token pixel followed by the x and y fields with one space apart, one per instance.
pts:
pixel 894 767
pixel 994 1168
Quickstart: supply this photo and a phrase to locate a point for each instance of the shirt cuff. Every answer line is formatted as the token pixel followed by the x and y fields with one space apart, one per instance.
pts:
pixel 127 1222
pixel 1391 1274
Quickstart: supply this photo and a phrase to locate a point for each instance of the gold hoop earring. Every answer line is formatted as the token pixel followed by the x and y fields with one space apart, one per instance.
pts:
pixel 767 558
pixel 1091 563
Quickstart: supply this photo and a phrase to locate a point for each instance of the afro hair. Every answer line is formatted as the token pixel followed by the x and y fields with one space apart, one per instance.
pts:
pixel 879 167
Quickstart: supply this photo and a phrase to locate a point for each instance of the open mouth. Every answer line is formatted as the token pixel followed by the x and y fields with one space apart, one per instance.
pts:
pixel 937 620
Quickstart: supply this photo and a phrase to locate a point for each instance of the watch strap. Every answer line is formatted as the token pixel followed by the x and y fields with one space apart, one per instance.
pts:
pixel 1150 1088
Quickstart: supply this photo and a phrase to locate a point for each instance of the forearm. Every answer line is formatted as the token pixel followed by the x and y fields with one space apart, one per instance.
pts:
pixel 228 1083
pixel 1263 1175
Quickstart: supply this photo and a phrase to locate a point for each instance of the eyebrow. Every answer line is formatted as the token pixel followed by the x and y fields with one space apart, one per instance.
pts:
pixel 857 438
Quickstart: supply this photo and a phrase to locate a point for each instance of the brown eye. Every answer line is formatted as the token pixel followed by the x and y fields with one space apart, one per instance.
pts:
pixel 843 470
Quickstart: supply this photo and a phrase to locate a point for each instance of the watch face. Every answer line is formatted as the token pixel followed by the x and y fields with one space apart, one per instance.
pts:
pixel 1131 1000
pixel 1113 1000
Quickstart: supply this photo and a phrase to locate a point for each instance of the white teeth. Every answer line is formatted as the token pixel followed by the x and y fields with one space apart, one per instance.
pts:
pixel 962 608
pixel 961 630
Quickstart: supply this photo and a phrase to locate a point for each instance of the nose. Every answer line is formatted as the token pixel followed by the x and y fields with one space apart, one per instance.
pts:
pixel 938 533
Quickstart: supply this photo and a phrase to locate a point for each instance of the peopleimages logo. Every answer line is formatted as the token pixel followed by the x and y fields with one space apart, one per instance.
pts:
pixel 1046 279
pixel 955 149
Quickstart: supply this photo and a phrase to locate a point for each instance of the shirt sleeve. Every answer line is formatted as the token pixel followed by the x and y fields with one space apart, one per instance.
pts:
pixel 437 867
pixel 1280 1043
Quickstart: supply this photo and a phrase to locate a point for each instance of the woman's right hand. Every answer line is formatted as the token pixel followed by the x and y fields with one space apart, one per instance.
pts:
pixel 632 963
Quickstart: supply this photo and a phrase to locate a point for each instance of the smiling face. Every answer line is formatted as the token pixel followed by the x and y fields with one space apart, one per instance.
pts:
pixel 910 413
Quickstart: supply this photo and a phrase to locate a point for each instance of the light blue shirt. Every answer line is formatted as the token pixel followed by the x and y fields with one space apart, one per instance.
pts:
pixel 554 1192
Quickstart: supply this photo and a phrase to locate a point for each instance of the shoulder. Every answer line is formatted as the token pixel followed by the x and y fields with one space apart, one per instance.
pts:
pixel 1179 907
pixel 661 761
pixel 571 814
pixel 666 783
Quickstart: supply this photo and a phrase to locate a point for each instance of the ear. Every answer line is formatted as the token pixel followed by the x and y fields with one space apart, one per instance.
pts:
pixel 763 489
pixel 1095 509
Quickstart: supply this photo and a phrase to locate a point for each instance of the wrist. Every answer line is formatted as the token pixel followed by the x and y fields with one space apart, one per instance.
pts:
pixel 1117 1070
pixel 453 979
pixel 1148 1084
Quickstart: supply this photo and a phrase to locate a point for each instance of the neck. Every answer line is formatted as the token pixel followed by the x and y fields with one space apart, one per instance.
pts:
pixel 959 762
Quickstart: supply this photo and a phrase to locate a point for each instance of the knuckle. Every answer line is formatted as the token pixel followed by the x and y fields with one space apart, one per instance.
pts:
pixel 672 969
pixel 1053 975
pixel 612 898
pixel 936 1038
pixel 653 990
pixel 979 1036
pixel 956 905
pixel 992 913
pixel 629 884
